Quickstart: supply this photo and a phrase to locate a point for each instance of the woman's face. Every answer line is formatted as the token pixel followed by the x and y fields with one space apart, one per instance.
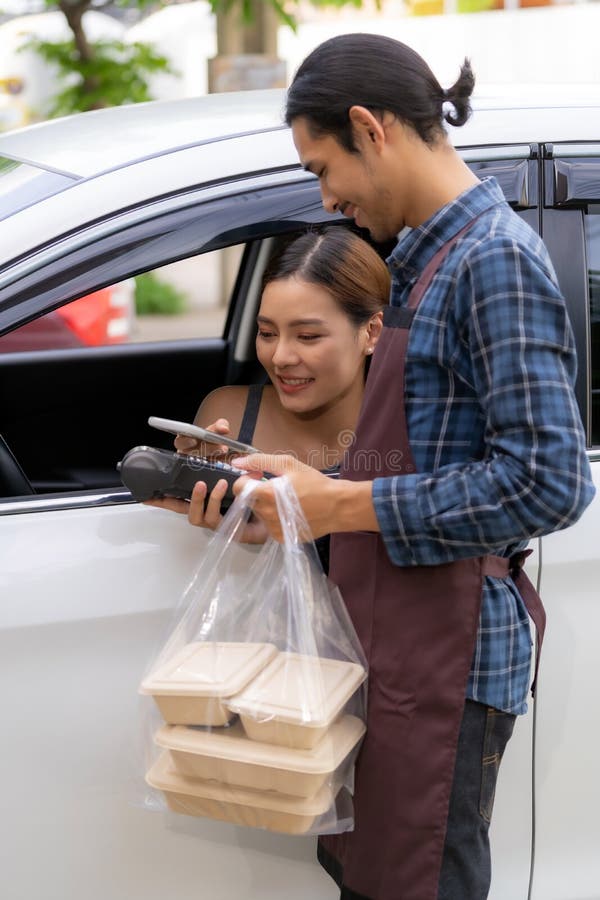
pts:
pixel 314 355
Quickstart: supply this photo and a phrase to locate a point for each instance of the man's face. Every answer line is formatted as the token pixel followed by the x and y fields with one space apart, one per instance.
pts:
pixel 351 183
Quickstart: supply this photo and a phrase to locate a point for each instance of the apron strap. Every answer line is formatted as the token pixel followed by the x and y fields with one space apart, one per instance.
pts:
pixel 502 567
pixel 426 276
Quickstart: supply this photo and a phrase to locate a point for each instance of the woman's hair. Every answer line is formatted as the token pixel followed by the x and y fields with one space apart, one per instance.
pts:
pixel 342 263
pixel 380 74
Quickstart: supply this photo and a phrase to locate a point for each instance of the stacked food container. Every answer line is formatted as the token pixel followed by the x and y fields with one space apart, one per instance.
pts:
pixel 253 735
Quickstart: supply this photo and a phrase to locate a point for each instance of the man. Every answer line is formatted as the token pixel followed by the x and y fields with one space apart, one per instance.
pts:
pixel 469 444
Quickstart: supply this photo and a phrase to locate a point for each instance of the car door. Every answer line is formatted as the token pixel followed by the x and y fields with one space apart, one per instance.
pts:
pixel 516 169
pixel 88 579
pixel 567 794
pixel 545 830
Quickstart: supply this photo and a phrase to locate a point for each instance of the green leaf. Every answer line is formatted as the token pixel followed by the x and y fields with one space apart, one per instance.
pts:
pixel 153 296
pixel 282 8
pixel 115 74
pixel 285 17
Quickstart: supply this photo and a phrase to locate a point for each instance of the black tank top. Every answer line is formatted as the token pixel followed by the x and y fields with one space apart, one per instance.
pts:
pixel 255 392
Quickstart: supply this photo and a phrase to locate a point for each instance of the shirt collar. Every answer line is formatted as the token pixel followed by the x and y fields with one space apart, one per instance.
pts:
pixel 414 250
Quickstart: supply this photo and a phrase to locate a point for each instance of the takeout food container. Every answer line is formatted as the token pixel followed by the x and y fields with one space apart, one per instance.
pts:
pixel 229 756
pixel 190 688
pixel 293 701
pixel 241 806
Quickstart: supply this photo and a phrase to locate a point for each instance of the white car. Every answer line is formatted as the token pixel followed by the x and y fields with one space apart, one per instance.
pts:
pixel 88 577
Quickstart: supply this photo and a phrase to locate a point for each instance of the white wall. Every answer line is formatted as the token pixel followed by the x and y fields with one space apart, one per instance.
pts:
pixel 186 35
pixel 544 44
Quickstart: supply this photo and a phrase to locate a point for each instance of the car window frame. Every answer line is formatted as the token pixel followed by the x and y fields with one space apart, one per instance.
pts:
pixel 280 191
pixel 130 242
pixel 566 195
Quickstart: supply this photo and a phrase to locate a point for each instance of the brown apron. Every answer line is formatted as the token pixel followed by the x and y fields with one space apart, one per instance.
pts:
pixel 418 627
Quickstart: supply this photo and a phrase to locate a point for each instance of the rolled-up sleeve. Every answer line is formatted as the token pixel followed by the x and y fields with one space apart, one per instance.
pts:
pixel 534 476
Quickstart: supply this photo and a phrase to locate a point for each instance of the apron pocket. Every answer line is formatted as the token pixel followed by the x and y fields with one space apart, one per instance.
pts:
pixel 498 729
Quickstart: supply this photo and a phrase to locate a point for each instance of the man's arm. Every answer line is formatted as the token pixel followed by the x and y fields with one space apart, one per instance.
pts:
pixel 534 477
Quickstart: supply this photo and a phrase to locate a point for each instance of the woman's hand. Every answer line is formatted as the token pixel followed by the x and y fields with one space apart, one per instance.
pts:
pixel 254 532
pixel 208 515
pixel 196 447
pixel 194 508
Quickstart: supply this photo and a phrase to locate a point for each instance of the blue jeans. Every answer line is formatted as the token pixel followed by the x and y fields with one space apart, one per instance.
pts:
pixel 466 867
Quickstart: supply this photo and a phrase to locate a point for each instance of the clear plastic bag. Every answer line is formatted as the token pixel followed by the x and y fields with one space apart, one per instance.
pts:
pixel 255 706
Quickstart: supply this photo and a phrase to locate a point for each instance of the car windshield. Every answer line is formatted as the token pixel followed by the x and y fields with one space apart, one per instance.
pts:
pixel 22 184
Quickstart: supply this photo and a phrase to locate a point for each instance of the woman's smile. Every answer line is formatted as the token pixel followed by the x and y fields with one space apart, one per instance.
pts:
pixel 291 385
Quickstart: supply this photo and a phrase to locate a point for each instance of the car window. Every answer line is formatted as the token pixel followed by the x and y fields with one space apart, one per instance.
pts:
pixel 182 300
pixel 140 240
pixel 592 235
pixel 186 299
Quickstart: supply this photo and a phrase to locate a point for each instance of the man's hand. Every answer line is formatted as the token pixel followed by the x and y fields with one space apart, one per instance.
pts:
pixel 328 504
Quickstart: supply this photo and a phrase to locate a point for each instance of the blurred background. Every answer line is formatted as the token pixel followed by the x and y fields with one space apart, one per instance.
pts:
pixel 61 56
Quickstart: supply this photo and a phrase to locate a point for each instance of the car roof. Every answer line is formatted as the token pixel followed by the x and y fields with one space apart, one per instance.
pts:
pixel 92 166
pixel 86 144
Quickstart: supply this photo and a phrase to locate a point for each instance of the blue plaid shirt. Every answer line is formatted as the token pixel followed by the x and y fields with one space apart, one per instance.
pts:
pixel 492 419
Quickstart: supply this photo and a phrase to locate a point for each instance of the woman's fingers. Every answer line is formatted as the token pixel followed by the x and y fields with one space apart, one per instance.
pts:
pixel 172 503
pixel 196 506
pixel 207 514
pixel 212 515
pixel 195 447
pixel 255 532
pixel 185 444
pixel 274 463
pixel 221 426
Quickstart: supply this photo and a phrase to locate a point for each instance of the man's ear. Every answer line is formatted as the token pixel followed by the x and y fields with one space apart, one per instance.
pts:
pixel 366 127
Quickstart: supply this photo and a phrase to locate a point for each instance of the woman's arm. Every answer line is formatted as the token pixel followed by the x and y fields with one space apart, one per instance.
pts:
pixel 221 411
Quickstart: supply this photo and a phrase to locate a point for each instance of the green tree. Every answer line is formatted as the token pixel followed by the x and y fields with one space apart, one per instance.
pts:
pixel 247 40
pixel 247 9
pixel 96 74
pixel 254 19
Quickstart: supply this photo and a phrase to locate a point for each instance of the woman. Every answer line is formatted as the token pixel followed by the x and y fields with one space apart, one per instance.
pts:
pixel 319 320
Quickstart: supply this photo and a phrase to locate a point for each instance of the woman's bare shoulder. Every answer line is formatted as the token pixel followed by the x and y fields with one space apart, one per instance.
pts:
pixel 226 402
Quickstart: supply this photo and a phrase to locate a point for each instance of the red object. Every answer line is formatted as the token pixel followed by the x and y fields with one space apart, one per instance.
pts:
pixel 89 316
pixel 102 317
